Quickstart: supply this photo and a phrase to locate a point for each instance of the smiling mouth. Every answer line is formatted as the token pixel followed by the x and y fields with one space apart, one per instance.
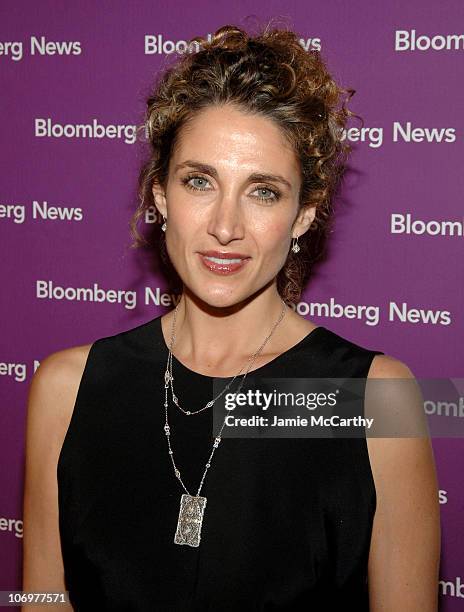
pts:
pixel 227 260
pixel 223 265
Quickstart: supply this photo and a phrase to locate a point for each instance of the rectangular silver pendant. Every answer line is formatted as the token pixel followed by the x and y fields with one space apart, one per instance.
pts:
pixel 190 520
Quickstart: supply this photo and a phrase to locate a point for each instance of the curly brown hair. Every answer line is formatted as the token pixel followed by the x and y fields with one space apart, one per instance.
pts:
pixel 270 74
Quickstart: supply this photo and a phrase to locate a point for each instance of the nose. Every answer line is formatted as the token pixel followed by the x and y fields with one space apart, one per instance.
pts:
pixel 226 221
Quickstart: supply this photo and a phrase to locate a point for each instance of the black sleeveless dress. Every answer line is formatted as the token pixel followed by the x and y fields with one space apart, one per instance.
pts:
pixel 287 524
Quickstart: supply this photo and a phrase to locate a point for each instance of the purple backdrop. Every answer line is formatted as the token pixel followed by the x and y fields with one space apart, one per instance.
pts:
pixel 65 200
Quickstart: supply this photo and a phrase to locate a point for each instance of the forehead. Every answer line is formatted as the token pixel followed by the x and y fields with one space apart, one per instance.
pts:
pixel 226 135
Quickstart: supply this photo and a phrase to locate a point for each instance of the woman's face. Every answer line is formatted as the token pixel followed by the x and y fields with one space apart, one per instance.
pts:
pixel 232 187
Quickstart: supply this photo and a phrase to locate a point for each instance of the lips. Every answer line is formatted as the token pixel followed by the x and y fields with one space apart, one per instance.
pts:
pixel 224 255
pixel 223 263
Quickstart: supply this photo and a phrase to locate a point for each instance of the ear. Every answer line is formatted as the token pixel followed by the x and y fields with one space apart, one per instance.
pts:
pixel 303 221
pixel 159 197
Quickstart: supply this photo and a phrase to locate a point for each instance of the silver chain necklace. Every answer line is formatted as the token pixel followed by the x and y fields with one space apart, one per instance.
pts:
pixel 168 375
pixel 192 507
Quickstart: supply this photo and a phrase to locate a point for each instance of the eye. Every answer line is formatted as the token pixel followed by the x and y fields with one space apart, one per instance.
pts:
pixel 274 194
pixel 200 185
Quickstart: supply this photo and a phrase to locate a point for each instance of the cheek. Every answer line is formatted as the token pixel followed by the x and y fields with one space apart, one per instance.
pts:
pixel 184 215
pixel 182 220
pixel 275 235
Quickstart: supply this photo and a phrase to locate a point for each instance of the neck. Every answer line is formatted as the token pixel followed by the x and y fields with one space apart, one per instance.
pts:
pixel 213 337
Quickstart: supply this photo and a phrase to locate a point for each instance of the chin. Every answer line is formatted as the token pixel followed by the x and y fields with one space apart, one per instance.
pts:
pixel 219 295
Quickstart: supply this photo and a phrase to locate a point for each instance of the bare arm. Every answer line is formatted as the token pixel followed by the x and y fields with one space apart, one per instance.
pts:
pixel 51 399
pixel 405 547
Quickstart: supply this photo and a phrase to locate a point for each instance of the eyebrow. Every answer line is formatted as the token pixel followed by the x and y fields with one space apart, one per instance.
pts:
pixel 256 177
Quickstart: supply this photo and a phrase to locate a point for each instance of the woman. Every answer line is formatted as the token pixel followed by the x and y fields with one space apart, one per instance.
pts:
pixel 245 158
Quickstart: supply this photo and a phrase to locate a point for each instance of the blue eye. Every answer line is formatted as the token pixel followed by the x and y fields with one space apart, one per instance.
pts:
pixel 200 187
pixel 275 195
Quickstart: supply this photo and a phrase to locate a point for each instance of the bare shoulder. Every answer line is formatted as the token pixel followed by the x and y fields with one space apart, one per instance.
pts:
pixel 62 366
pixel 397 402
pixel 386 366
pixel 54 386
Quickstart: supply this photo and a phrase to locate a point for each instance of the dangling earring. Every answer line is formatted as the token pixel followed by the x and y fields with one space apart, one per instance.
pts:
pixel 295 247
pixel 163 227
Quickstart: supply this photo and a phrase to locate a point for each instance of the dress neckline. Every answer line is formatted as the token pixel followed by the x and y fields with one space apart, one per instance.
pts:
pixel 310 336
